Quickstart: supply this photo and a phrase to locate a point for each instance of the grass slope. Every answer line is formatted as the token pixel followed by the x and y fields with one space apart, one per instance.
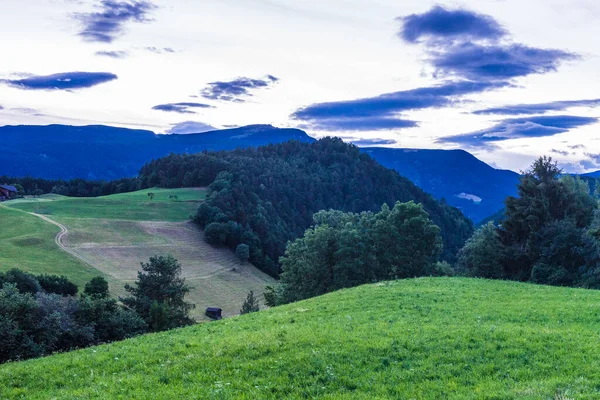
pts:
pixel 27 242
pixel 430 338
pixel 135 206
pixel 114 233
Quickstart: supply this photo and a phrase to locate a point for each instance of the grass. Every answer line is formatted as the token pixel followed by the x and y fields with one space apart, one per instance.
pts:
pixel 135 206
pixel 115 233
pixel 430 338
pixel 27 242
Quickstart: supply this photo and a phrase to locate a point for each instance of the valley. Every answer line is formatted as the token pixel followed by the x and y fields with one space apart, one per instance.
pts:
pixel 111 235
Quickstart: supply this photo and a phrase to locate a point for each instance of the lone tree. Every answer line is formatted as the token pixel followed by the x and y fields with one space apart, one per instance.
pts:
pixel 158 294
pixel 250 304
pixel 97 288
pixel 151 195
pixel 243 253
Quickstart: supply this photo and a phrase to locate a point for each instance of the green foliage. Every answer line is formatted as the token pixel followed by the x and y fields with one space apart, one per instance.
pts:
pixel 158 294
pixel 548 235
pixel 427 338
pixel 57 284
pixel 242 252
pixel 346 249
pixel 250 305
pixel 265 197
pixel 151 196
pixel 24 282
pixel 483 255
pixel 97 288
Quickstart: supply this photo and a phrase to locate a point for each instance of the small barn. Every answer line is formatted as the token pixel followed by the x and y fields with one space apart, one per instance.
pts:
pixel 214 313
pixel 7 192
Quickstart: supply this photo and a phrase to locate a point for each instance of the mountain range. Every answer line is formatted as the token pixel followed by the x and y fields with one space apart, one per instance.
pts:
pixel 103 152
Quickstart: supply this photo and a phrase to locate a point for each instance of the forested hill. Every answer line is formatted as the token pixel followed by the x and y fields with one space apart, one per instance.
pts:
pixel 108 153
pixel 265 196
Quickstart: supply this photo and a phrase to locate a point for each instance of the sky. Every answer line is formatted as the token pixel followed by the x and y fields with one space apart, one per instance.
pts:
pixel 507 80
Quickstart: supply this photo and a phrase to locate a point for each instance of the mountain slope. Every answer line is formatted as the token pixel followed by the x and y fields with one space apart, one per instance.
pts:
pixel 103 152
pixel 432 338
pixel 467 183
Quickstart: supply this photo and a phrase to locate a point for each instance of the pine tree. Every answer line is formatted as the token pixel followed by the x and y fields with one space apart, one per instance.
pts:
pixel 250 305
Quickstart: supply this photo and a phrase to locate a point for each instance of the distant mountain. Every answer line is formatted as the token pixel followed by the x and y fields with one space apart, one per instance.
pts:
pixel 595 174
pixel 103 152
pixel 455 175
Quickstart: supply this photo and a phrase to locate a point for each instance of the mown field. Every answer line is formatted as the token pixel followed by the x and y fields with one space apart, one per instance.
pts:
pixel 135 206
pixel 27 243
pixel 428 338
pixel 113 234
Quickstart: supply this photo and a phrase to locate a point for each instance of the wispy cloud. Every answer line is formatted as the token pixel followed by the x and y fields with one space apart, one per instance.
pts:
pixel 373 142
pixel 515 128
pixel 181 108
pixel 382 112
pixel 538 108
pixel 160 50
pixel 113 54
pixel 188 127
pixel 108 23
pixel 236 90
pixel 61 81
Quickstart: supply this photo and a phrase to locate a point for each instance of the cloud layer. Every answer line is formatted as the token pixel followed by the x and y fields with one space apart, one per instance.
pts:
pixel 181 108
pixel 236 90
pixel 539 108
pixel 516 128
pixel 109 22
pixel 61 81
pixel 185 128
pixel 382 112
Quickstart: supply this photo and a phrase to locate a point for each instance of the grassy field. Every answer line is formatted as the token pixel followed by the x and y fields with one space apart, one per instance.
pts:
pixel 135 206
pixel 113 234
pixel 430 338
pixel 27 242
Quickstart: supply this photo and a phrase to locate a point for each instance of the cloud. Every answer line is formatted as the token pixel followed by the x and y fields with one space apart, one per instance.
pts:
pixel 515 128
pixel 159 50
pixel 236 90
pixel 467 45
pixel 560 152
pixel 539 108
pixel 481 62
pixel 576 146
pixel 188 127
pixel 181 108
pixel 108 23
pixel 113 54
pixel 381 112
pixel 446 25
pixel 1 108
pixel 373 142
pixel 61 81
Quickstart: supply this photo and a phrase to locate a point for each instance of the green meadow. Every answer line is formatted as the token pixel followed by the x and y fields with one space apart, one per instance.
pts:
pixel 27 242
pixel 135 206
pixel 428 338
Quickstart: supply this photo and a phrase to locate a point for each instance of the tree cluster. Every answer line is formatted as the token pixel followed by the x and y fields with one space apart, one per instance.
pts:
pixel 345 249
pixel 549 233
pixel 28 186
pixel 263 197
pixel 40 314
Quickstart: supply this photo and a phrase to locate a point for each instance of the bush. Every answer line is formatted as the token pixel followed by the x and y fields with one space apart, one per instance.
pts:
pixel 97 288
pixel 57 285
pixel 243 253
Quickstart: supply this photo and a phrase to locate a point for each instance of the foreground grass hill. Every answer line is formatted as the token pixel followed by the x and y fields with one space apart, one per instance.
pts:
pixel 429 338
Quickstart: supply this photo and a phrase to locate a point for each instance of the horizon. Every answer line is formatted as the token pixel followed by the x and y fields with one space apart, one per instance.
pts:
pixel 437 75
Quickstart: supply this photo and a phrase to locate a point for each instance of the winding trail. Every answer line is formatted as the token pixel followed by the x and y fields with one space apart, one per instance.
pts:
pixel 59 237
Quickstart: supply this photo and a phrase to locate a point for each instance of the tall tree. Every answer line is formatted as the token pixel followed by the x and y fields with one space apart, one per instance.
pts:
pixel 158 295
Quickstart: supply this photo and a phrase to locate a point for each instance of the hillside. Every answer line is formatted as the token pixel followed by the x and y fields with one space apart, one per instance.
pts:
pixel 429 338
pixel 104 152
pixel 111 235
pixel 465 182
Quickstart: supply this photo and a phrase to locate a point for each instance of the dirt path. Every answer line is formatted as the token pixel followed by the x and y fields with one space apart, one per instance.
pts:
pixel 59 237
